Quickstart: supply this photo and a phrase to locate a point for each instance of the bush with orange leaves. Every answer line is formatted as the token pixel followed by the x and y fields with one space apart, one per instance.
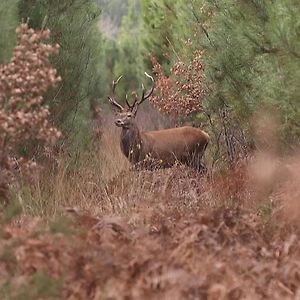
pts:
pixel 182 93
pixel 24 118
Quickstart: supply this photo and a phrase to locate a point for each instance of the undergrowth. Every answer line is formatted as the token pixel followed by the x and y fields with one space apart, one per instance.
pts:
pixel 92 227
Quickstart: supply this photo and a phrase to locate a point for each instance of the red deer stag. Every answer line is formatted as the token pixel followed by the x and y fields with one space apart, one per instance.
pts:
pixel 160 148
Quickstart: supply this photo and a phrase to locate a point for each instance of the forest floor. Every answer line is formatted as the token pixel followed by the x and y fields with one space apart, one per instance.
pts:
pixel 168 234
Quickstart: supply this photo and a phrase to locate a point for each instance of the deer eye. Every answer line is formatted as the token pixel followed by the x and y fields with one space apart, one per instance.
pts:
pixel 129 115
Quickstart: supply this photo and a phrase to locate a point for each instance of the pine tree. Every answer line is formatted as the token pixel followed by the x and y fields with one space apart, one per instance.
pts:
pixel 73 25
pixel 253 61
pixel 129 60
pixel 8 25
pixel 159 18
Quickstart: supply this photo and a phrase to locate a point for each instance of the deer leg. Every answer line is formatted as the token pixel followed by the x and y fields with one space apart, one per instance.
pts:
pixel 196 164
pixel 194 161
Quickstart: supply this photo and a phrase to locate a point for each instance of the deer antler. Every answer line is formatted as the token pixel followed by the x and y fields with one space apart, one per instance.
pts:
pixel 145 95
pixel 149 93
pixel 128 104
pixel 112 99
pixel 137 102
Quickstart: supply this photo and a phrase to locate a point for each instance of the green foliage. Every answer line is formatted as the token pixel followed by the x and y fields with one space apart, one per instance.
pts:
pixel 251 54
pixel 13 210
pixel 62 225
pixel 8 24
pixel 73 26
pixel 129 60
pixel 115 10
pixel 252 58
pixel 159 18
pixel 110 49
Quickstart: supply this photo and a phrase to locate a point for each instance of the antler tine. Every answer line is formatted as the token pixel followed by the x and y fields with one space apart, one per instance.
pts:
pixel 153 85
pixel 127 102
pixel 143 94
pixel 114 84
pixel 147 95
pixel 113 102
pixel 112 99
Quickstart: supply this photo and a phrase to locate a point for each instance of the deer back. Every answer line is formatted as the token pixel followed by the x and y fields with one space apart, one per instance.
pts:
pixel 174 143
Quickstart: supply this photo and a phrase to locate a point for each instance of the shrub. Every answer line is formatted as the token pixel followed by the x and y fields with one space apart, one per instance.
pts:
pixel 74 26
pixel 182 93
pixel 24 119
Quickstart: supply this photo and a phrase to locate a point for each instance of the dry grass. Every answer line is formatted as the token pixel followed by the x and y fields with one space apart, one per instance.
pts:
pixel 103 182
pixel 100 180
pixel 168 234
pixel 91 227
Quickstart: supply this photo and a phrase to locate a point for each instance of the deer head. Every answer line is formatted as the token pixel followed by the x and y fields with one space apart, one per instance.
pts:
pixel 125 116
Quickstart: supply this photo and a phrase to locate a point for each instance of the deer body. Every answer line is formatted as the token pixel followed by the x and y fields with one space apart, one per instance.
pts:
pixel 160 148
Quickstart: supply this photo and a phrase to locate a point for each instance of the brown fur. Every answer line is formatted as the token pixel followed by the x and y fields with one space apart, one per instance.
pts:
pixel 161 148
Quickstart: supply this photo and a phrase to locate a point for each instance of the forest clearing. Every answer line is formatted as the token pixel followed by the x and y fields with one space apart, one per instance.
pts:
pixel 83 213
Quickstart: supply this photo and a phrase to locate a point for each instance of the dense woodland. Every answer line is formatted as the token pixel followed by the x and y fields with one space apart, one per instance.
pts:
pixel 231 68
pixel 247 52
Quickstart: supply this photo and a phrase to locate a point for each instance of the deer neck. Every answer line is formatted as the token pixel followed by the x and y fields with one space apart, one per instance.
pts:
pixel 131 143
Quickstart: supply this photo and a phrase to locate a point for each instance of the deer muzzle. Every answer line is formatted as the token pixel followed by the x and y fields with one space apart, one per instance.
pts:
pixel 119 123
